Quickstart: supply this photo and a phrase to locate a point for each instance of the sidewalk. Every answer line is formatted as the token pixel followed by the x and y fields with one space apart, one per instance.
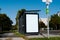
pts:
pixel 10 36
pixel 42 36
pixel 13 38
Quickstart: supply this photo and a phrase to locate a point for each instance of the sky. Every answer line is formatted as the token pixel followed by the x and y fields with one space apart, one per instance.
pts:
pixel 11 7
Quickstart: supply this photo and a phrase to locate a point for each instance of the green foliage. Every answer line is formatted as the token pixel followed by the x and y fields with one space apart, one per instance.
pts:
pixel 20 12
pixel 51 25
pixel 51 38
pixel 14 27
pixel 5 22
pixel 42 25
pixel 20 35
pixel 55 21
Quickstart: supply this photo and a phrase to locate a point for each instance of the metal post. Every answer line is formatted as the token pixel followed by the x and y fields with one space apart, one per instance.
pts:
pixel 47 12
pixel 48 25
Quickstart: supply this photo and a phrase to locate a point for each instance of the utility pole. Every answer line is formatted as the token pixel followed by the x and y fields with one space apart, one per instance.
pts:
pixel 47 13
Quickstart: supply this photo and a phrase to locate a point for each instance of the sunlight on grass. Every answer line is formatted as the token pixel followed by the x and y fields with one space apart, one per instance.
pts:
pixel 20 35
pixel 51 38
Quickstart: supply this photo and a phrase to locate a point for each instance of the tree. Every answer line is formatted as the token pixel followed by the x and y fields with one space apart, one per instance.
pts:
pixel 14 27
pixel 42 25
pixel 55 21
pixel 5 22
pixel 20 12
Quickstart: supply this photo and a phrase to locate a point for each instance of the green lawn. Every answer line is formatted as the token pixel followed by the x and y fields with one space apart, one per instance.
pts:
pixel 52 38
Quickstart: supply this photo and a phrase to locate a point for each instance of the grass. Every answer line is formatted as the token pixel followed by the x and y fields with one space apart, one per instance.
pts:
pixel 21 35
pixel 18 34
pixel 51 38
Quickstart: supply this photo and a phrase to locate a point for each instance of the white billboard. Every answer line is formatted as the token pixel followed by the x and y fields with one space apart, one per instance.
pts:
pixel 31 23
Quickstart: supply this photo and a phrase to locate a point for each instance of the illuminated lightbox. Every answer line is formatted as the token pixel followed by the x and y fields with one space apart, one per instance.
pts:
pixel 31 23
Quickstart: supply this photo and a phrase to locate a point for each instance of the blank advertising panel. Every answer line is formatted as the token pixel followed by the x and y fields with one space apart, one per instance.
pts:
pixel 31 23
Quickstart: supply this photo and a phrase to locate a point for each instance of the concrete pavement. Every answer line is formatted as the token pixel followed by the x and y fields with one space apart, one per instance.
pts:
pixel 42 36
pixel 52 33
pixel 13 38
pixel 10 36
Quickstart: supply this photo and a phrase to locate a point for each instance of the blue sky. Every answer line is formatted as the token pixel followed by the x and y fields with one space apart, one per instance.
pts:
pixel 10 7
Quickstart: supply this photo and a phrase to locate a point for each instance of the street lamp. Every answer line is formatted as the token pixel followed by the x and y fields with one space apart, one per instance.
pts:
pixel 47 13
